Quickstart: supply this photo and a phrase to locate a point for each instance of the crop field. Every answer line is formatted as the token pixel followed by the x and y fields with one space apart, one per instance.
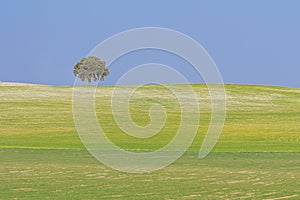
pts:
pixel 256 157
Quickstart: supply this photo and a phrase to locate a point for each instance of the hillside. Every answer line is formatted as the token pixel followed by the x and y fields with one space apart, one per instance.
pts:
pixel 256 157
pixel 259 118
pixel 17 84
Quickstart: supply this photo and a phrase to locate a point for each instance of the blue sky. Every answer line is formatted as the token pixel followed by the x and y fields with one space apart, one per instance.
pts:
pixel 252 42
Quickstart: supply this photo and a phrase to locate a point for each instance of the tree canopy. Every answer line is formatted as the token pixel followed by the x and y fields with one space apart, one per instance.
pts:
pixel 90 69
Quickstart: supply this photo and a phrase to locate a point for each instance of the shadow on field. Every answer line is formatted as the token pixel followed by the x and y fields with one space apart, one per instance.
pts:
pixel 74 174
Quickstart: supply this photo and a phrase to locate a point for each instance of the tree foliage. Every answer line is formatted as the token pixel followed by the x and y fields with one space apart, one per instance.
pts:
pixel 90 69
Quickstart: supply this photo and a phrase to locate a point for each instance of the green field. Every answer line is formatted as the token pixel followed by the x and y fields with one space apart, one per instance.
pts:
pixel 256 157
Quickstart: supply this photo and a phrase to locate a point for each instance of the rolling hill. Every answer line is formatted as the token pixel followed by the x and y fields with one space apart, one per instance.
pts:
pixel 257 155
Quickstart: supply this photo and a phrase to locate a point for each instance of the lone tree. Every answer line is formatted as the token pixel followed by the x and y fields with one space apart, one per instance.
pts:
pixel 91 68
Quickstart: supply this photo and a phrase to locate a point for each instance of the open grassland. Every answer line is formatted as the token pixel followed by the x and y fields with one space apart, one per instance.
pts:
pixel 256 157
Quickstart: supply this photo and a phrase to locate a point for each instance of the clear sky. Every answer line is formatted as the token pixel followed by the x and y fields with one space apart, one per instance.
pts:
pixel 252 42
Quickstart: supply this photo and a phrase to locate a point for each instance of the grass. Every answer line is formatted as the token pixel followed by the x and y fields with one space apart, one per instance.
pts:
pixel 256 157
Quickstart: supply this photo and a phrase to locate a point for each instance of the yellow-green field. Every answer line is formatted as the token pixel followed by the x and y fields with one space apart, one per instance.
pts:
pixel 256 157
